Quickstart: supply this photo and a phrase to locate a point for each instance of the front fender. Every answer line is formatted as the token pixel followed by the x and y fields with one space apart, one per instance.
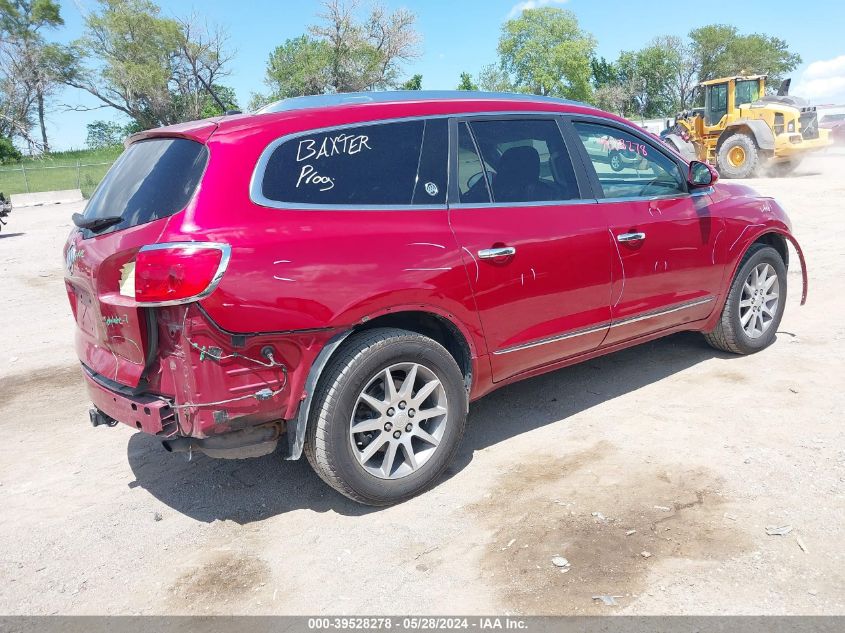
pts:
pixel 751 234
pixel 804 279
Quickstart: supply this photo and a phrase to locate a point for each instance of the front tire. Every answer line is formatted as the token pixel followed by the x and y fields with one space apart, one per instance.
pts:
pixel 388 416
pixel 755 303
pixel 738 157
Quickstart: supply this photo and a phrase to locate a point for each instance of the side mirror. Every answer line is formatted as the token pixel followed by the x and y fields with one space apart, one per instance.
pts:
pixel 701 174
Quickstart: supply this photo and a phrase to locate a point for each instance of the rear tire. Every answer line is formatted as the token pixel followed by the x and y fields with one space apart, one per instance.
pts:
pixel 738 157
pixel 410 429
pixel 751 316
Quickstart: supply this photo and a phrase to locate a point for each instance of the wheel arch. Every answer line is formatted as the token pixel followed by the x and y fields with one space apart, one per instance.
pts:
pixel 438 327
pixel 769 236
pixel 757 130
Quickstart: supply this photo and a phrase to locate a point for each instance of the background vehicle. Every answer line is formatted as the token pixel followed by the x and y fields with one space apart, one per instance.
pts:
pixel 835 123
pixel 5 209
pixel 617 156
pixel 350 271
pixel 741 129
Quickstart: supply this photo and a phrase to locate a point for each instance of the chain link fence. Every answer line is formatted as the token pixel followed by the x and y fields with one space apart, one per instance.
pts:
pixel 36 178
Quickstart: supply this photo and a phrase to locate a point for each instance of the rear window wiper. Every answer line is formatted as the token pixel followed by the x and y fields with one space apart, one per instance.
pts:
pixel 95 224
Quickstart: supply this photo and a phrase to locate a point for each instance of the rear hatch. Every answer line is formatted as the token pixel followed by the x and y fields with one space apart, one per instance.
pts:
pixel 152 180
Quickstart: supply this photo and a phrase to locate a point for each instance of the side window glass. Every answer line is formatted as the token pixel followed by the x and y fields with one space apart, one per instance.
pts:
pixel 363 165
pixel 526 159
pixel 717 103
pixel 626 166
pixel 472 180
pixel 430 187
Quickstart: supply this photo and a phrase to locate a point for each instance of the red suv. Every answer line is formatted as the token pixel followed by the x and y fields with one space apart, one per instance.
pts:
pixel 345 273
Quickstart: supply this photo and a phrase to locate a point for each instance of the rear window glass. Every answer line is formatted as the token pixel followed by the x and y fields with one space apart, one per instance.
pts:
pixel 151 180
pixel 382 164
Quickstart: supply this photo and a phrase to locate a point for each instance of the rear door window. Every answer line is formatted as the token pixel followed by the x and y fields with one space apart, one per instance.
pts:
pixel 526 160
pixel 152 179
pixel 389 164
pixel 628 167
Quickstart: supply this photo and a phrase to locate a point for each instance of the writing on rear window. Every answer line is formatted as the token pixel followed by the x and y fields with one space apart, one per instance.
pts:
pixel 312 150
pixel 331 146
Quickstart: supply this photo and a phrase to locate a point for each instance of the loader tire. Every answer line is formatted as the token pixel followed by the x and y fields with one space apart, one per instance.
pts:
pixel 738 157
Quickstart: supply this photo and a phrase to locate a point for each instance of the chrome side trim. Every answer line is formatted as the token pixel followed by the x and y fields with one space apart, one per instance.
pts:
pixel 604 326
pixel 226 251
pixel 662 312
pixel 553 339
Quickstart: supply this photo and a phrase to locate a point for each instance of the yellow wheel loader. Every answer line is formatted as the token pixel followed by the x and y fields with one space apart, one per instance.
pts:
pixel 743 131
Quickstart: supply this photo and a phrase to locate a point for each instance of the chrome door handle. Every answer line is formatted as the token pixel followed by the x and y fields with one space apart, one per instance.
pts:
pixel 630 237
pixel 491 253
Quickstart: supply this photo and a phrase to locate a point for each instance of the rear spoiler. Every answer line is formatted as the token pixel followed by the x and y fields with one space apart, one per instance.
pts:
pixel 199 131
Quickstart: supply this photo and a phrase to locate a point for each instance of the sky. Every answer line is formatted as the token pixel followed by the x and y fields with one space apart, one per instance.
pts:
pixel 461 35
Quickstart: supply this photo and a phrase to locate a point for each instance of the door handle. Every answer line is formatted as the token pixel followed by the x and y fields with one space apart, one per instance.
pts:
pixel 630 237
pixel 492 253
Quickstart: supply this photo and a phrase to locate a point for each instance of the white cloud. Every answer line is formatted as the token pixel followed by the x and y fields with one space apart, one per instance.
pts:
pixel 823 82
pixel 519 7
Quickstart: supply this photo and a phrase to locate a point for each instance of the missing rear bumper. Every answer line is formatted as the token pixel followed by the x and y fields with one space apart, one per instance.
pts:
pixel 255 441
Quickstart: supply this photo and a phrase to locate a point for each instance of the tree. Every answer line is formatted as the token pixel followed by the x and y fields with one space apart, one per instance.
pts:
pixel 603 72
pixel 546 53
pixel 682 68
pixel 16 103
pixel 8 152
pixel 646 74
pixel 467 83
pixel 414 83
pixel 103 134
pixel 343 53
pixel 719 50
pixel 24 57
pixel 299 66
pixel 210 105
pixel 156 70
pixel 493 79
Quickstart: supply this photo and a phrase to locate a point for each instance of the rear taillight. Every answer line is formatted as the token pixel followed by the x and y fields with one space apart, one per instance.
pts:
pixel 179 272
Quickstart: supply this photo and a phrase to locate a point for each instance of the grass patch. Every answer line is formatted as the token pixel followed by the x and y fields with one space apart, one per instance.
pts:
pixel 83 169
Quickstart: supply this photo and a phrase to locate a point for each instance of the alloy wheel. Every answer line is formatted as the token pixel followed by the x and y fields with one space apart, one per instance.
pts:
pixel 398 420
pixel 758 304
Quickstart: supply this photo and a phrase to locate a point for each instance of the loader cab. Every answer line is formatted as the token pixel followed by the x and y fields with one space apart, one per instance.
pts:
pixel 722 97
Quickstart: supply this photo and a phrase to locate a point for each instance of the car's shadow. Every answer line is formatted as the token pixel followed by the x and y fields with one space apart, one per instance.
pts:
pixel 251 490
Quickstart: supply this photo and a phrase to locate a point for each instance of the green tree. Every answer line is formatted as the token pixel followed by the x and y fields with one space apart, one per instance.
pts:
pixel 299 66
pixel 603 72
pixel 24 56
pixel 467 83
pixel 414 83
pixel 154 69
pixel 343 52
pixel 103 134
pixel 680 63
pixel 547 53
pixel 719 50
pixel 647 73
pixel 212 108
pixel 8 152
pixel 493 79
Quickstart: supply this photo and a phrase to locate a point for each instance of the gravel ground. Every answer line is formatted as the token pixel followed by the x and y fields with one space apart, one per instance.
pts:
pixel 653 471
